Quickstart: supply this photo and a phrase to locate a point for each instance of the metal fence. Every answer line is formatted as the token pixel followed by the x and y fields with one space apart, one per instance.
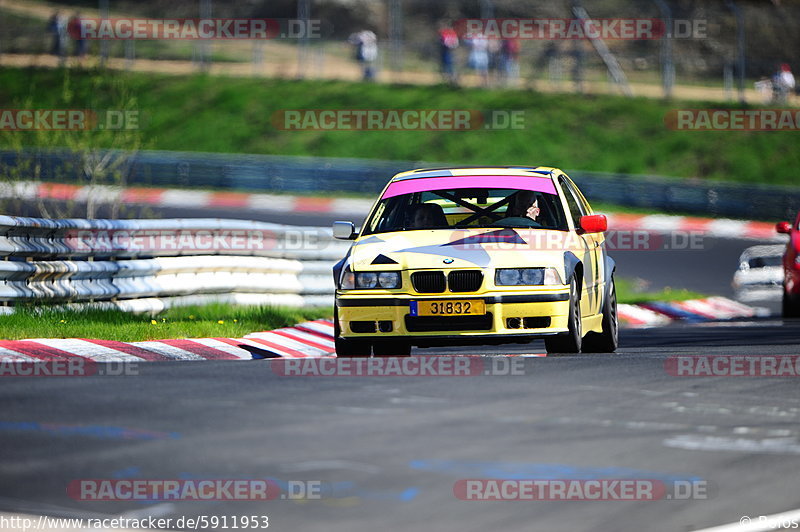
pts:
pixel 318 175
pixel 735 42
pixel 149 265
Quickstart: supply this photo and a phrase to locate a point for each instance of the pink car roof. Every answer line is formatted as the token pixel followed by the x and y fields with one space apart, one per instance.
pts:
pixel 533 183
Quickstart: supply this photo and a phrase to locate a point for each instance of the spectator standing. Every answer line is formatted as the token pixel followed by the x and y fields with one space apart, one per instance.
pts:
pixel 366 47
pixel 448 42
pixel 548 61
pixel 57 26
pixel 479 56
pixel 578 54
pixel 496 66
pixel 509 53
pixel 783 84
pixel 75 29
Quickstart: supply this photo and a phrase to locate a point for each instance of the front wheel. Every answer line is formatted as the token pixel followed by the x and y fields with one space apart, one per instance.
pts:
pixel 348 347
pixel 570 341
pixel 352 347
pixel 608 340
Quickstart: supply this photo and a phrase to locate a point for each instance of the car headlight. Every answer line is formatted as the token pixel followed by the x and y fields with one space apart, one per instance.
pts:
pixel 348 281
pixel 507 276
pixel 389 279
pixel 368 280
pixel 527 277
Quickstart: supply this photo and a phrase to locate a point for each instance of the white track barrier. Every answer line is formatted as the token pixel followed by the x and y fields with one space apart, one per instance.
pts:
pixel 149 265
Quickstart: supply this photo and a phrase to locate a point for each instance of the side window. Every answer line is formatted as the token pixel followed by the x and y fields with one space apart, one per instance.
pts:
pixel 576 210
pixel 581 198
pixel 373 226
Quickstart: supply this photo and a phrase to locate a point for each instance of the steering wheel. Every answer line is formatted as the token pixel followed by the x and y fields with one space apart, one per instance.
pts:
pixel 518 221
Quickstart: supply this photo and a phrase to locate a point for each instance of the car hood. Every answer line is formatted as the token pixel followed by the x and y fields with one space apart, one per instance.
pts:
pixel 461 248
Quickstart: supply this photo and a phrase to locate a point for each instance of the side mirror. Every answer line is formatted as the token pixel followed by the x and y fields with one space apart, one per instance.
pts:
pixel 595 223
pixel 344 230
pixel 783 227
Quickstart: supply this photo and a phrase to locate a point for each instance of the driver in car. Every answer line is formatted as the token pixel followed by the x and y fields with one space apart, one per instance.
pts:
pixel 524 203
pixel 426 216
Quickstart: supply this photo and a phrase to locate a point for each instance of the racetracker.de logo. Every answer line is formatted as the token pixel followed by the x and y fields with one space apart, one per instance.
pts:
pixel 67 119
pixel 173 490
pixel 733 366
pixel 554 29
pixel 604 489
pixel 194 29
pixel 397 119
pixel 733 119
pixel 195 240
pixel 72 367
pixel 423 366
pixel 615 240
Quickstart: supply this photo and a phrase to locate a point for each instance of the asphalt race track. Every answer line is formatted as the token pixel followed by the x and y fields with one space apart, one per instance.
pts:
pixel 388 451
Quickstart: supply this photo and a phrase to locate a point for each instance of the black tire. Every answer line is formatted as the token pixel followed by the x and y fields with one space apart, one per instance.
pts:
pixel 348 347
pixel 353 348
pixel 393 348
pixel 791 306
pixel 569 342
pixel 608 340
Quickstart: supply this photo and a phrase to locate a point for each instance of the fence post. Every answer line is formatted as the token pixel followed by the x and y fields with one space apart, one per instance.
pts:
pixel 740 46
pixel 667 63
pixel 396 34
pixel 104 44
pixel 303 14
pixel 205 53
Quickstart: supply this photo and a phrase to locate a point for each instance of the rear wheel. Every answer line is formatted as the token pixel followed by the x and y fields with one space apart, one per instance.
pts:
pixel 608 340
pixel 569 342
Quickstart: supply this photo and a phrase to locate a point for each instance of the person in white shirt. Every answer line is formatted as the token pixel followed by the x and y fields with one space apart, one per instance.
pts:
pixel 366 43
pixel 784 84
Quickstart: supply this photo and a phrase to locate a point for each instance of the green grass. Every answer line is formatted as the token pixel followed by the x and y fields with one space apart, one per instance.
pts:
pixel 210 321
pixel 226 321
pixel 629 292
pixel 597 133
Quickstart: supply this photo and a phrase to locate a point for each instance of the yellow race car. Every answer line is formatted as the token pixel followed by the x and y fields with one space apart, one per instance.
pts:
pixel 461 256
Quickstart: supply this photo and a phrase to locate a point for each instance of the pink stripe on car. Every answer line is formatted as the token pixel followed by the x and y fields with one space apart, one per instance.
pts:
pixel 536 184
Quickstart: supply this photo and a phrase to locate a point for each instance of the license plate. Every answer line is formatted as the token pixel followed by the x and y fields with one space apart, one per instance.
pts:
pixel 448 307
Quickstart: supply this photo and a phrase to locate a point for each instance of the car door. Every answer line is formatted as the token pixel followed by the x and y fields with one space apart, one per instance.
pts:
pixel 599 253
pixel 593 263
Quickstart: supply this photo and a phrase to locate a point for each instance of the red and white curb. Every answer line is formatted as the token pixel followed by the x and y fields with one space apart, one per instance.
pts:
pixel 314 339
pixel 311 339
pixel 637 316
pixel 353 207
pixel 165 197
pixel 661 313
pixel 719 227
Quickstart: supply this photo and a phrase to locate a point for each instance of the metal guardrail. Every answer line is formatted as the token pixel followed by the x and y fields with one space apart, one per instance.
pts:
pixel 148 265
pixel 318 175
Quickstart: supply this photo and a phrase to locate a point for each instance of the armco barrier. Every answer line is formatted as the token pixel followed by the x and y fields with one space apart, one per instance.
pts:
pixel 315 175
pixel 148 265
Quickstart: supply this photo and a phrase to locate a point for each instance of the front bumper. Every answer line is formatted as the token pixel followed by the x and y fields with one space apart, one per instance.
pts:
pixel 509 317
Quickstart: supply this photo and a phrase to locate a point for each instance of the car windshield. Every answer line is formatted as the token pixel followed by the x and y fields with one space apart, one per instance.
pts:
pixel 765 262
pixel 468 208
